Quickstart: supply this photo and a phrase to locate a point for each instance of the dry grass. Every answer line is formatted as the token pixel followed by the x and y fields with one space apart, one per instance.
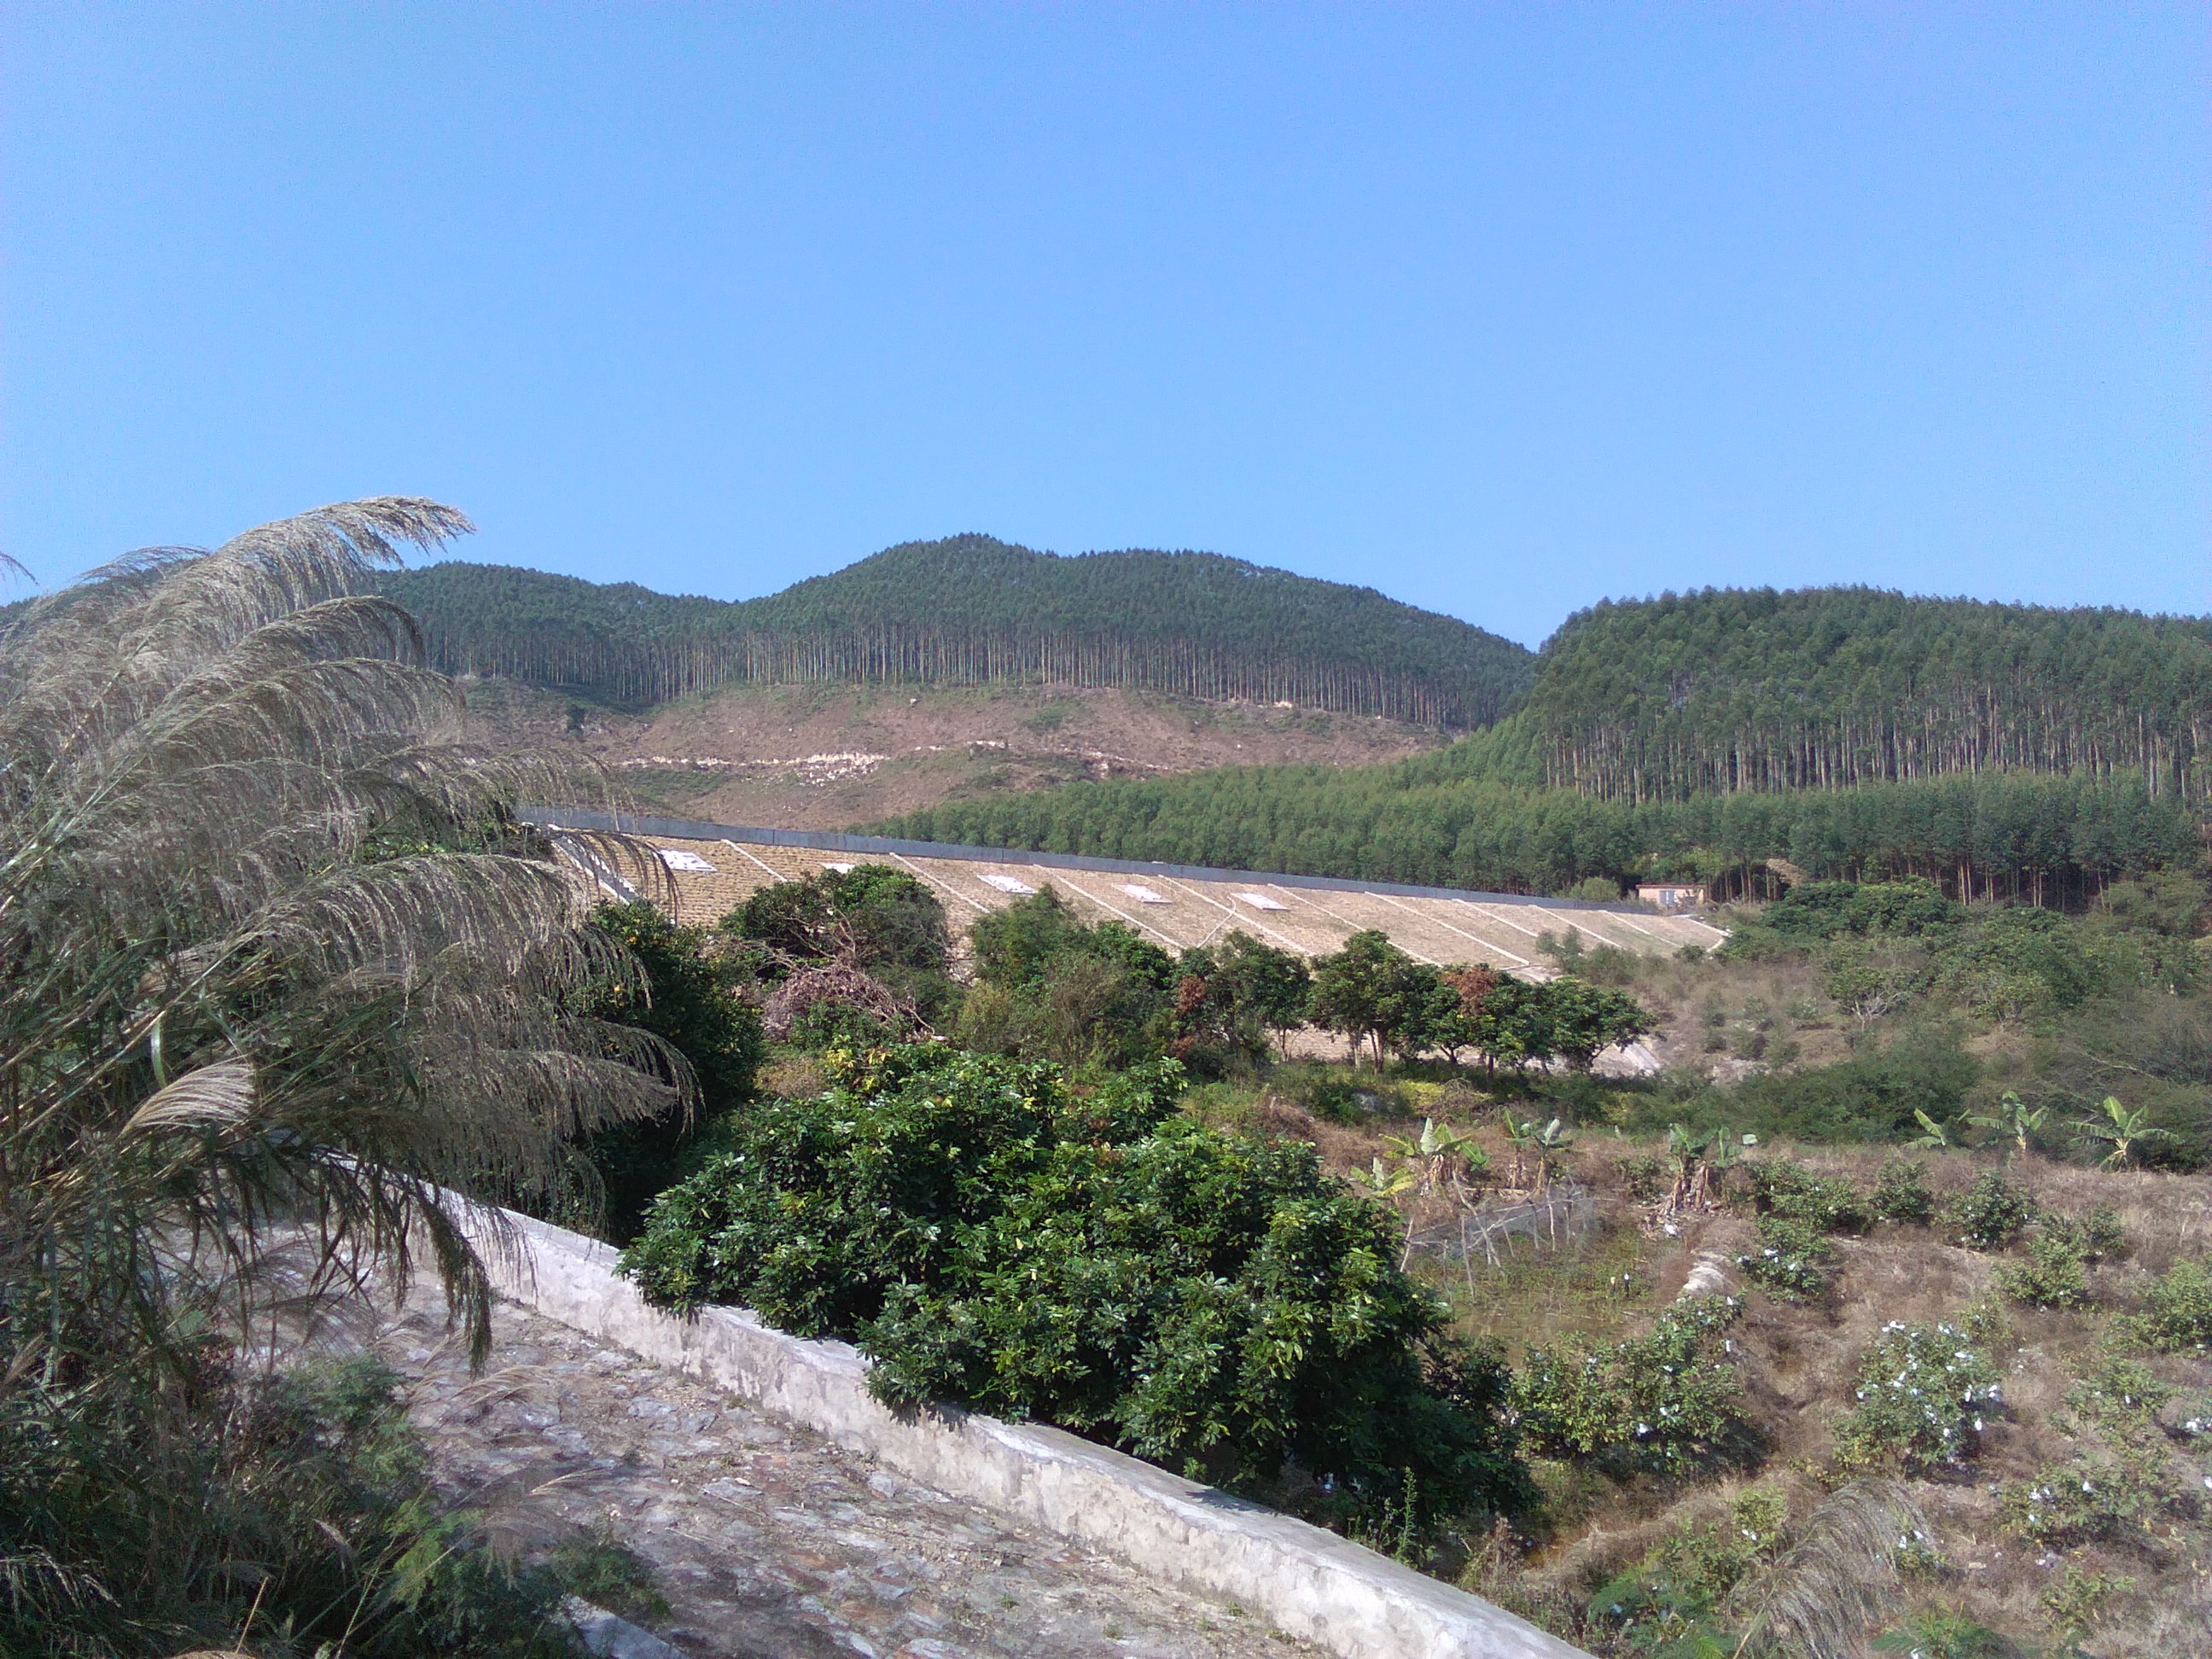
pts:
pixel 1798 1362
pixel 1719 1015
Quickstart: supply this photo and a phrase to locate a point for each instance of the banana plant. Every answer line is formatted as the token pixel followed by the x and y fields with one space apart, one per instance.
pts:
pixel 1549 1144
pixel 1384 1182
pixel 2120 1129
pixel 1685 1146
pixel 1522 1138
pixel 1430 1155
pixel 1722 1153
pixel 1935 1136
pixel 2013 1119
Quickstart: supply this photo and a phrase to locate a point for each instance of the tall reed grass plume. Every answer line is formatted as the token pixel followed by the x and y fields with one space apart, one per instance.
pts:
pixel 275 964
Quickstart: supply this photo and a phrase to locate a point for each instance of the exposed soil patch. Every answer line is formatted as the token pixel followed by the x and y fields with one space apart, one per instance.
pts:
pixel 826 756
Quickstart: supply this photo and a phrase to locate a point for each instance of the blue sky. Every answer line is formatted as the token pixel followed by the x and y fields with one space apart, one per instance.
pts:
pixel 1499 309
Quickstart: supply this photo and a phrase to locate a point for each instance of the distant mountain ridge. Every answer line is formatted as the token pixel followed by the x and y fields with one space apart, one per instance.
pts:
pixel 972 609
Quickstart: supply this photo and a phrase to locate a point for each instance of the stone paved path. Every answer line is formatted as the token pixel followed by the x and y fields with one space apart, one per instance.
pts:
pixel 769 1543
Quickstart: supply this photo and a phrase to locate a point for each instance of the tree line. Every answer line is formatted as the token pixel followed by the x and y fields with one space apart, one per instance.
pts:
pixel 2017 837
pixel 1726 691
pixel 971 610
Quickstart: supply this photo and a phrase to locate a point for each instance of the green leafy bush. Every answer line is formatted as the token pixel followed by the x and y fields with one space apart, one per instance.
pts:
pixel 2082 1500
pixel 2052 1275
pixel 1923 1393
pixel 1642 1178
pixel 1828 1204
pixel 2117 1482
pixel 1671 1601
pixel 2055 1275
pixel 2181 1309
pixel 989 1236
pixel 2076 1600
pixel 2120 1399
pixel 1834 909
pixel 1901 1194
pixel 2018 961
pixel 1054 987
pixel 1791 1257
pixel 1867 1097
pixel 1991 1214
pixel 1660 1401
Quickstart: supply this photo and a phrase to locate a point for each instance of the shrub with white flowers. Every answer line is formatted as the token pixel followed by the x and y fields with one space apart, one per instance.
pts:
pixel 2122 1476
pixel 1660 1401
pixel 2084 1499
pixel 2180 1317
pixel 1923 1395
pixel 1791 1257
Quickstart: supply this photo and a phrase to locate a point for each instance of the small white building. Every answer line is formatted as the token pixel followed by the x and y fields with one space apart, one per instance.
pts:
pixel 1673 895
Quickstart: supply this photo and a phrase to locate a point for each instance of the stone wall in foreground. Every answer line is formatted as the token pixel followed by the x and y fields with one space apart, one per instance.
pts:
pixel 1307 1581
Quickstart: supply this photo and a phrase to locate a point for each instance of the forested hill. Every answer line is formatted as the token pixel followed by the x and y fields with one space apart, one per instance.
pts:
pixel 2006 751
pixel 970 610
pixel 1725 690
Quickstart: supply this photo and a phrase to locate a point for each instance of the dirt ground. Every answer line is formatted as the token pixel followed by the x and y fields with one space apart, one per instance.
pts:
pixel 827 757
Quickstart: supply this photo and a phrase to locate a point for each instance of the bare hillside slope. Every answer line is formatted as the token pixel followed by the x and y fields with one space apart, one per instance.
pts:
pixel 823 757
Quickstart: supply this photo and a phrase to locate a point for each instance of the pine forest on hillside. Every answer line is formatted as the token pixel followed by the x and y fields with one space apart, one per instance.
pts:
pixel 972 611
pixel 2007 752
pixel 1721 691
pixel 1828 688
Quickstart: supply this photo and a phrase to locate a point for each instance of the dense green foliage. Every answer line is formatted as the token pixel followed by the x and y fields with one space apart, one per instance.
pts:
pixel 972 611
pixel 687 997
pixel 1051 986
pixel 1827 688
pixel 989 1236
pixel 2048 840
pixel 1231 997
pixel 1870 1096
pixel 2180 1313
pixel 1373 992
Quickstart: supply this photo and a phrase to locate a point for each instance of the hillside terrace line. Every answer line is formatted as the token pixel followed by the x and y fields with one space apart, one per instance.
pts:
pixel 715 867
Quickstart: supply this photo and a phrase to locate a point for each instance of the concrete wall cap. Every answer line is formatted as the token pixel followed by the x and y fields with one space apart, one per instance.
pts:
pixel 1306 1581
